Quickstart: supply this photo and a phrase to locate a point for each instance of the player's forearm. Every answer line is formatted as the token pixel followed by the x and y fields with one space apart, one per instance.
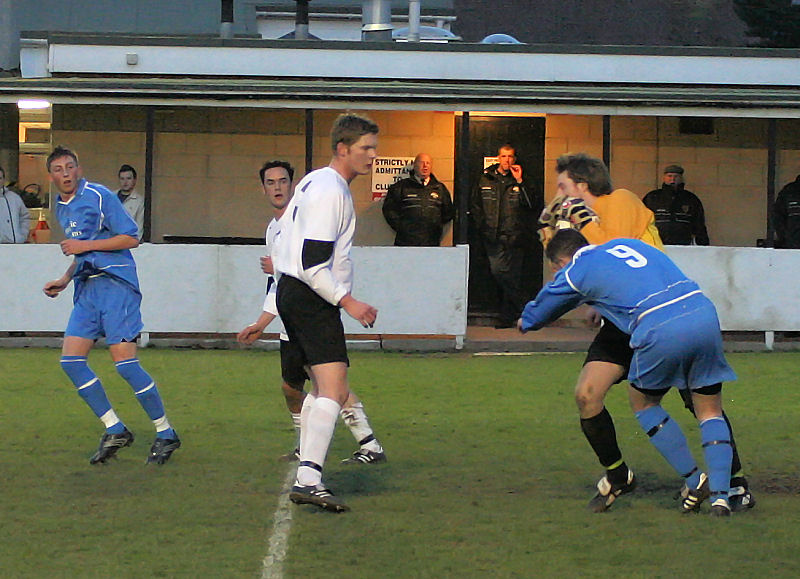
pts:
pixel 116 243
pixel 553 301
pixel 321 280
pixel 263 320
pixel 596 234
pixel 70 272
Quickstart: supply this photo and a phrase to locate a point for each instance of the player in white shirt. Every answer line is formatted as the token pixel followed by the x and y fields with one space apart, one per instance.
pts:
pixel 315 277
pixel 276 180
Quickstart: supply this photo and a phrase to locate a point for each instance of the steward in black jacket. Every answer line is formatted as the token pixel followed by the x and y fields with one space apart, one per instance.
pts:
pixel 504 212
pixel 786 216
pixel 501 208
pixel 417 212
pixel 679 215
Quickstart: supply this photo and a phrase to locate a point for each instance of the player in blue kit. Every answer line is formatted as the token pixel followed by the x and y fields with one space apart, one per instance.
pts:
pixel 100 234
pixel 676 341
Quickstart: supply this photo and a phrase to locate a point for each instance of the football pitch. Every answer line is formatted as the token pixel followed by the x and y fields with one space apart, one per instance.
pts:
pixel 488 475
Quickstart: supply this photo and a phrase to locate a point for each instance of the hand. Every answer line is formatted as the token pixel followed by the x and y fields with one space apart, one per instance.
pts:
pixel 53 288
pixel 250 334
pixel 362 312
pixel 575 212
pixel 546 233
pixel 519 326
pixel 74 246
pixel 516 172
pixel 266 264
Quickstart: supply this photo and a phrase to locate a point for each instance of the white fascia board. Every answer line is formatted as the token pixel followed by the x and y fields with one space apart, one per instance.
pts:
pixel 430 65
pixel 142 99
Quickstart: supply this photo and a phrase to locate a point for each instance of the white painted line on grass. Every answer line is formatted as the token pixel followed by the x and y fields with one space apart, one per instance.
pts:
pixel 272 566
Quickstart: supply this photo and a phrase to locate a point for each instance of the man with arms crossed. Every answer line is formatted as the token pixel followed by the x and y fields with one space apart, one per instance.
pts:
pixel 276 180
pixel 100 234
pixel 676 341
pixel 315 277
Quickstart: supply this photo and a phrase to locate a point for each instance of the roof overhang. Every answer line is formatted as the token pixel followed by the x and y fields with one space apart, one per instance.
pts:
pixel 557 79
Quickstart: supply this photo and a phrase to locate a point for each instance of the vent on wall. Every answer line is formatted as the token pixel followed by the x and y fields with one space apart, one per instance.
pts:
pixel 696 125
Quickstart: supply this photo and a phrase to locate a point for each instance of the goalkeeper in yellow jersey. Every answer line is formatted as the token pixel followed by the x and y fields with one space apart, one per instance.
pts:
pixel 586 201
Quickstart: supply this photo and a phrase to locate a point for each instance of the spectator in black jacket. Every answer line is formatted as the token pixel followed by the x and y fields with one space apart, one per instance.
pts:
pixel 503 207
pixel 680 218
pixel 418 207
pixel 786 216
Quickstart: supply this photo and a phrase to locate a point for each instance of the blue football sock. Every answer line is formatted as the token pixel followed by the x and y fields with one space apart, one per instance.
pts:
pixel 146 393
pixel 668 438
pixel 716 438
pixel 91 390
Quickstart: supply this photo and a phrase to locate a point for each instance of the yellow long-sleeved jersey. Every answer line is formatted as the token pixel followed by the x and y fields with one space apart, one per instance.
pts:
pixel 622 214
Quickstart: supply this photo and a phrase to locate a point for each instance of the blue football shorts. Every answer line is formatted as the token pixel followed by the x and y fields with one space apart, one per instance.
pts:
pixel 106 307
pixel 681 347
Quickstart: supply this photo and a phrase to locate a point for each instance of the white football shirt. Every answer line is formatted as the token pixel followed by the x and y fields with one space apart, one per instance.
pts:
pixel 270 302
pixel 321 210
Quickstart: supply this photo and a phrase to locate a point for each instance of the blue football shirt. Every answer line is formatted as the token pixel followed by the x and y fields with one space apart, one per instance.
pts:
pixel 626 280
pixel 94 212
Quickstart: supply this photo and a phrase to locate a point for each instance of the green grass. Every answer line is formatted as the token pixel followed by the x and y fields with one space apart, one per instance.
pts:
pixel 488 475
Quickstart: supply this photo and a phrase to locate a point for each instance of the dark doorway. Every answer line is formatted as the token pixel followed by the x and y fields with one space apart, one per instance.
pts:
pixel 486 134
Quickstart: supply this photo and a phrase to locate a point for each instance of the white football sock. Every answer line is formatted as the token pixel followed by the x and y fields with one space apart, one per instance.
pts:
pixel 317 434
pixel 296 422
pixel 356 420
pixel 304 412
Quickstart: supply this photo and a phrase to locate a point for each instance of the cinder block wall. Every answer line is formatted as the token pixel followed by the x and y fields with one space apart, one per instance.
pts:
pixel 727 169
pixel 206 161
pixel 206 167
pixel 402 134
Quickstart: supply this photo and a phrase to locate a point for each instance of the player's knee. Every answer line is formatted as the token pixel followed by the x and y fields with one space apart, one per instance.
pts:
pixel 589 397
pixel 293 391
pixel 77 369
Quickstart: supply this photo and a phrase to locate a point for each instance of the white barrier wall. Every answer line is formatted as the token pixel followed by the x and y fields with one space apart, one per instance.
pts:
pixel 754 289
pixel 220 289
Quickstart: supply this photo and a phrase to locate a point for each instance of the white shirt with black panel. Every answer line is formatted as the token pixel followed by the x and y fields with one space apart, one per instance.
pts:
pixel 320 217
pixel 270 305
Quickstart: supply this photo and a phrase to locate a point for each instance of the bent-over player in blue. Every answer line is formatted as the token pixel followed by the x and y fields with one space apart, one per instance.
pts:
pixel 676 341
pixel 100 234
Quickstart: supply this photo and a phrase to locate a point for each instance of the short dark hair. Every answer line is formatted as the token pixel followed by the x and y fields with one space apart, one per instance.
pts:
pixel 349 128
pixel 125 168
pixel 582 168
pixel 273 164
pixel 564 244
pixel 59 152
pixel 507 146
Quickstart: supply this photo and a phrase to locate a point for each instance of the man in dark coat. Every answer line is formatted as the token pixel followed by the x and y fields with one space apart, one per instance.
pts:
pixel 680 218
pixel 418 207
pixel 786 216
pixel 503 207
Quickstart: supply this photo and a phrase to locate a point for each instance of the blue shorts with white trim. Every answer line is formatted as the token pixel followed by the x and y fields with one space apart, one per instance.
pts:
pixel 106 307
pixel 681 347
